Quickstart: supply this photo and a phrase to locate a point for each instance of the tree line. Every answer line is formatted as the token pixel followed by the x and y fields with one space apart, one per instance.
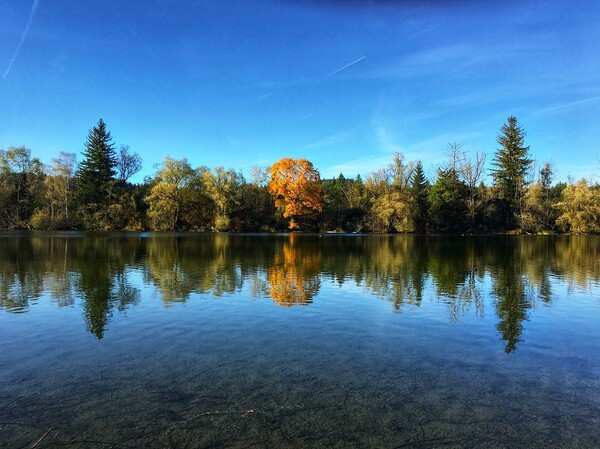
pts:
pixel 96 194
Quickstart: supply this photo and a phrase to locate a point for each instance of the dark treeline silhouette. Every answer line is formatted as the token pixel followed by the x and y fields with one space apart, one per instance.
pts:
pixel 508 274
pixel 95 194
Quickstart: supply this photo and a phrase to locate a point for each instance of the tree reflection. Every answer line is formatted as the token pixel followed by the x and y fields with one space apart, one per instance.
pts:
pixel 65 268
pixel 102 280
pixel 179 266
pixel 511 276
pixel 294 276
pixel 509 287
pixel 102 293
pixel 394 269
pixel 21 274
pixel 457 271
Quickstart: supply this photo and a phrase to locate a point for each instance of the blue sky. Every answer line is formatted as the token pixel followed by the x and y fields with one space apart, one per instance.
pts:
pixel 344 84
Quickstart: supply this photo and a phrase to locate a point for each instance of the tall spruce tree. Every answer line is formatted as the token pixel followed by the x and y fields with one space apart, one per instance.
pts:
pixel 448 200
pixel 420 190
pixel 511 164
pixel 97 169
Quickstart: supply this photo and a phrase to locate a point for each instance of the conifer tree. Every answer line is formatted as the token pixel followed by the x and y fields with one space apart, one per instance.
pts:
pixel 420 190
pixel 97 169
pixel 511 164
pixel 448 199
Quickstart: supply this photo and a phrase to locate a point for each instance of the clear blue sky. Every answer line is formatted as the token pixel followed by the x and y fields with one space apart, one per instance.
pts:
pixel 341 83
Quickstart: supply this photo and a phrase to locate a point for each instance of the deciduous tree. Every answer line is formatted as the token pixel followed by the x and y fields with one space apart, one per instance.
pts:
pixel 471 172
pixel 531 218
pixel 580 208
pixel 166 198
pixel 21 185
pixel 224 189
pixel 60 182
pixel 296 187
pixel 392 202
pixel 128 164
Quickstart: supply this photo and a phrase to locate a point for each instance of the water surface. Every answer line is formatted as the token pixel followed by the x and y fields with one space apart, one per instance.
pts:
pixel 287 341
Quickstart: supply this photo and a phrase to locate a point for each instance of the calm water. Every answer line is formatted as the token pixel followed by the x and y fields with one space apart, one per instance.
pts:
pixel 240 341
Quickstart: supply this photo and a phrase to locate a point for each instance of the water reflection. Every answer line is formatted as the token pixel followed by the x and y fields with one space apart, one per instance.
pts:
pixel 180 266
pixel 293 277
pixel 105 272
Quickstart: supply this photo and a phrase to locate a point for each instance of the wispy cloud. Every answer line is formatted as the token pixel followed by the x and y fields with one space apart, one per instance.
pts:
pixel 566 107
pixel 431 150
pixel 235 142
pixel 387 144
pixel 450 60
pixel 386 141
pixel 473 98
pixel 266 95
pixel 23 36
pixel 444 58
pixel 331 140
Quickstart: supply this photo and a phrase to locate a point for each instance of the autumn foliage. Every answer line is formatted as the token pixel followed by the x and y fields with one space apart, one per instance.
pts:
pixel 294 276
pixel 296 187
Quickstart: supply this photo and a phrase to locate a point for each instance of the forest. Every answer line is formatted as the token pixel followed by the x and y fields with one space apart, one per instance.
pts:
pixel 96 194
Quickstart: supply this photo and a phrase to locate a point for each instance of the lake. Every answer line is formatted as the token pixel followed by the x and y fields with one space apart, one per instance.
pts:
pixel 289 341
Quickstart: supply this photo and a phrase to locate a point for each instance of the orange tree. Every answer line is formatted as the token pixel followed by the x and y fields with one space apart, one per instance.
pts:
pixel 296 187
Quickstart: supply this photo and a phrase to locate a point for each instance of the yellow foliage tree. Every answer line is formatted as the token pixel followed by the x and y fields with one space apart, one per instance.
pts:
pixel 580 209
pixel 167 196
pixel 296 187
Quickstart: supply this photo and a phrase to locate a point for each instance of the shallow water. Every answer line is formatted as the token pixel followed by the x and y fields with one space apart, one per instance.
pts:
pixel 255 341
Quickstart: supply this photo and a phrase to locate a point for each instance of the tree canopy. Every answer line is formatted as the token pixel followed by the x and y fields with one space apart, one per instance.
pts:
pixel 296 187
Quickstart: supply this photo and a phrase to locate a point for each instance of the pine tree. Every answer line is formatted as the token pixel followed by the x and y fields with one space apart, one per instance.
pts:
pixel 97 170
pixel 511 164
pixel 448 199
pixel 420 191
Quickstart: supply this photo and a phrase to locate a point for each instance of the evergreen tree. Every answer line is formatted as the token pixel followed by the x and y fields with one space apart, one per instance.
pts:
pixel 97 170
pixel 448 199
pixel 511 164
pixel 420 191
